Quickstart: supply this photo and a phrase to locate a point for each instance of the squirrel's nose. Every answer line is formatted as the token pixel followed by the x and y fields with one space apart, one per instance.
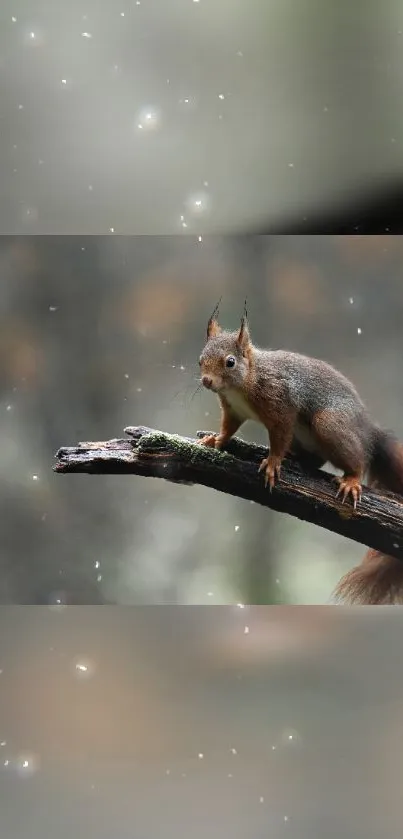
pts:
pixel 207 381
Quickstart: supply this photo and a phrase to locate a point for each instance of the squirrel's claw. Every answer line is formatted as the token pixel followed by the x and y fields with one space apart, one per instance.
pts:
pixel 349 485
pixel 271 466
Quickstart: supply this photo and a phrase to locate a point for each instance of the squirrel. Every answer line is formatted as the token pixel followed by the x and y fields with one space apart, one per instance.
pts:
pixel 312 410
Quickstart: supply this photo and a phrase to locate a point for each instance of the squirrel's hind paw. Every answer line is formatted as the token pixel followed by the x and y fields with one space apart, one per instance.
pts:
pixel 349 485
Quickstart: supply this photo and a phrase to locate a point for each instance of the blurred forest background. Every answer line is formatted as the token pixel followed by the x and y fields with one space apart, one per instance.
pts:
pixel 233 116
pixel 103 332
pixel 167 722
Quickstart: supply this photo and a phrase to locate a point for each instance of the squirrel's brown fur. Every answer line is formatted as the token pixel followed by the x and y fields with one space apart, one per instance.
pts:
pixel 307 406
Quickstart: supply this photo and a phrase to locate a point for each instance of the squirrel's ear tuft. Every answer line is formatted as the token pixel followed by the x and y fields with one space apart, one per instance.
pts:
pixel 243 339
pixel 213 327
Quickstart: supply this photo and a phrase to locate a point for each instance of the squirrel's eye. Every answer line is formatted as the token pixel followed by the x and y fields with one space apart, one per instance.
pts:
pixel 230 361
pixel 200 361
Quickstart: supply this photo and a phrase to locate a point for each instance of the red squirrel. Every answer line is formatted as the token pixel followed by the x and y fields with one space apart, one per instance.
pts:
pixel 307 406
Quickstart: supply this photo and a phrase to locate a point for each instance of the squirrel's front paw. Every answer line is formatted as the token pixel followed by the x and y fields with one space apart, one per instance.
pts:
pixel 209 440
pixel 271 466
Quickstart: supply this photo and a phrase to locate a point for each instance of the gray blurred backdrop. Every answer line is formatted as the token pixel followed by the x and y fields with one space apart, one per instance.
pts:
pixel 100 333
pixel 168 722
pixel 145 115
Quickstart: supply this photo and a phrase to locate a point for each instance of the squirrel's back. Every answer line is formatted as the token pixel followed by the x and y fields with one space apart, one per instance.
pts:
pixel 311 384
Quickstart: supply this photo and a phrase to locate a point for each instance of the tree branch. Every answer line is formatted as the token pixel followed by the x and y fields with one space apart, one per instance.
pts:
pixel 307 494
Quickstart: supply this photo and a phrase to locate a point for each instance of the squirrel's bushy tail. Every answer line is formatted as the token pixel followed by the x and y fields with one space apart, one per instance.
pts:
pixel 378 580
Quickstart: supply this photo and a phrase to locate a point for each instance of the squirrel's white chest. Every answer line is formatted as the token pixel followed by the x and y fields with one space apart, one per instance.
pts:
pixel 240 405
